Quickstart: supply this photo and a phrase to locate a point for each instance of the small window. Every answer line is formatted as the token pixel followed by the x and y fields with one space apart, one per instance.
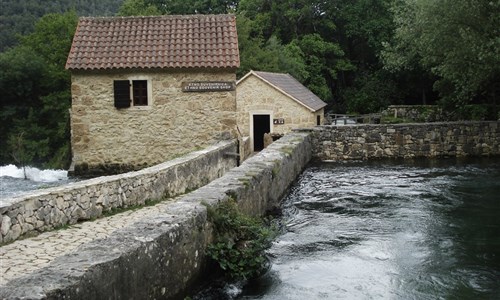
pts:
pixel 140 92
pixel 318 120
pixel 131 93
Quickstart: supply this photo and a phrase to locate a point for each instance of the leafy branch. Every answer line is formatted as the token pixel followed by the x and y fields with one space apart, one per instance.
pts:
pixel 240 242
pixel 19 153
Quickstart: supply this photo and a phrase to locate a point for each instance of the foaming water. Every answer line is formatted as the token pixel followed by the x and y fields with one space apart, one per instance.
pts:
pixel 388 230
pixel 33 174
pixel 13 182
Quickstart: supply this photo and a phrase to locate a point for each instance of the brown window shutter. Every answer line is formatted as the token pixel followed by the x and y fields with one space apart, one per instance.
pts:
pixel 122 93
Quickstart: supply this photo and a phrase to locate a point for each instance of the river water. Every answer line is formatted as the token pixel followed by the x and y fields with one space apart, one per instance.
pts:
pixel 427 229
pixel 13 181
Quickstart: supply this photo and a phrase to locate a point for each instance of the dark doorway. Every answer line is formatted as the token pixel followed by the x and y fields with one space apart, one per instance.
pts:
pixel 261 125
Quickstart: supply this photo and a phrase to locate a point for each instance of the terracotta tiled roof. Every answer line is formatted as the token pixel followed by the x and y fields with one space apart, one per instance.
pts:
pixel 291 87
pixel 190 41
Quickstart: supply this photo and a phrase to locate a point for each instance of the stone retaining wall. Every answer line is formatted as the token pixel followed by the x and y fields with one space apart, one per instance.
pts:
pixel 161 257
pixel 46 209
pixel 359 142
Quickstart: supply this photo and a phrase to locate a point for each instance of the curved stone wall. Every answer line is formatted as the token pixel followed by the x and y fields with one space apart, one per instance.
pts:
pixel 47 209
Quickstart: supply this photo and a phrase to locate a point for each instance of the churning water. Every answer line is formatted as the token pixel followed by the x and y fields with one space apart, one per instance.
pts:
pixel 13 182
pixel 388 230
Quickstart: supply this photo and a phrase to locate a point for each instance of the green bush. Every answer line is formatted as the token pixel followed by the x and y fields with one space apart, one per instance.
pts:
pixel 474 112
pixel 394 120
pixel 240 241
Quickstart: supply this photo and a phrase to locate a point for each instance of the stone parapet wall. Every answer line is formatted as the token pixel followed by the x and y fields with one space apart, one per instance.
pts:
pixel 106 140
pixel 160 258
pixel 360 142
pixel 245 148
pixel 50 208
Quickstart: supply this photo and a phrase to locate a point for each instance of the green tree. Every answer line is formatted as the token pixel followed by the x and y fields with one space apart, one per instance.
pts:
pixel 271 55
pixel 35 91
pixel 51 40
pixel 18 18
pixel 138 8
pixel 292 36
pixel 21 75
pixel 176 7
pixel 371 92
pixel 323 60
pixel 457 41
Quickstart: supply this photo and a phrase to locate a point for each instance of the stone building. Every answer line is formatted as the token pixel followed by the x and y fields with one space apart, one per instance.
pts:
pixel 274 103
pixel 148 89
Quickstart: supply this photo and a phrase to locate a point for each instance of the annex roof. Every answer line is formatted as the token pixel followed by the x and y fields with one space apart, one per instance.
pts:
pixel 188 41
pixel 291 87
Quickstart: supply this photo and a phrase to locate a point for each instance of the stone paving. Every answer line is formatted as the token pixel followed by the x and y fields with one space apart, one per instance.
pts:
pixel 25 256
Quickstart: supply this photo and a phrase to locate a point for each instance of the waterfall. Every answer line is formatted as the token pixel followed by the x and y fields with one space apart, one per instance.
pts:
pixel 34 174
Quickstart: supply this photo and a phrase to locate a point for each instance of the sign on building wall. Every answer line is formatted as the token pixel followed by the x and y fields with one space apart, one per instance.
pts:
pixel 280 121
pixel 208 86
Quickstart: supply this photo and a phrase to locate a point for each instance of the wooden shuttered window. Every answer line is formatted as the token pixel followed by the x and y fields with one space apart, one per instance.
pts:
pixel 122 93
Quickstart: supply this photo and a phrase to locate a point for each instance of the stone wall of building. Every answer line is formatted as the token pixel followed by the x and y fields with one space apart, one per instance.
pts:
pixel 256 96
pixel 360 142
pixel 50 208
pixel 162 257
pixel 106 140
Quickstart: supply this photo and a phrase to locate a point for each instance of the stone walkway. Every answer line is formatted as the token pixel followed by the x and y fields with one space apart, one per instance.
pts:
pixel 25 256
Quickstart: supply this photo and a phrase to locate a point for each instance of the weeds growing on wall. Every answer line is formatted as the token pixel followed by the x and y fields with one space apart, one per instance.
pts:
pixel 240 241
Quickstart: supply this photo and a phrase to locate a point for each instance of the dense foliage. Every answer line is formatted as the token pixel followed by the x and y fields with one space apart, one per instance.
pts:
pixel 359 56
pixel 17 17
pixel 35 95
pixel 457 41
pixel 240 241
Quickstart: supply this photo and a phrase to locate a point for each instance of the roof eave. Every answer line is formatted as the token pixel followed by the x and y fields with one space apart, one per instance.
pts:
pixel 113 69
pixel 278 89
